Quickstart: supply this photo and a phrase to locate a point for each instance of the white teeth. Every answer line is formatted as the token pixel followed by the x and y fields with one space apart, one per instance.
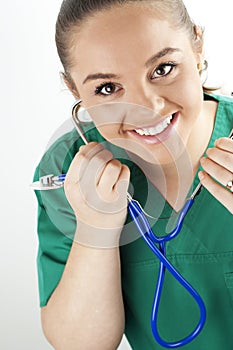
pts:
pixel 156 130
pixel 140 131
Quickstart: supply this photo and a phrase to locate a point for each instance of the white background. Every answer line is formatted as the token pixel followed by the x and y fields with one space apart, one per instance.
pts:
pixel 33 103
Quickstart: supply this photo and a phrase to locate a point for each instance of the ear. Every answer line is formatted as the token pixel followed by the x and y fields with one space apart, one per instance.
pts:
pixel 70 85
pixel 199 45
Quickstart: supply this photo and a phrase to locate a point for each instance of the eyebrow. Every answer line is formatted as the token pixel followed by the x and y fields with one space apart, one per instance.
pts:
pixel 160 54
pixel 100 76
pixel 152 60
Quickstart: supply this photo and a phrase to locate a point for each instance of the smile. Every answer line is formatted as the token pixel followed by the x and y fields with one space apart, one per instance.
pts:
pixel 158 133
pixel 152 131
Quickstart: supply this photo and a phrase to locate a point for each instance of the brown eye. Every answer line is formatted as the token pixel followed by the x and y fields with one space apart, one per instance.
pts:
pixel 162 70
pixel 106 89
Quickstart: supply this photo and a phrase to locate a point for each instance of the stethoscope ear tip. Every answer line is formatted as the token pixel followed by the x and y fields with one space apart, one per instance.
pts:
pixel 80 113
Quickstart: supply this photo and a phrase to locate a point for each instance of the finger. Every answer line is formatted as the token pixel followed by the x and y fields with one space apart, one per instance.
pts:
pixel 110 175
pixel 119 192
pixel 220 193
pixel 95 168
pixel 102 198
pixel 93 159
pixel 123 180
pixel 225 143
pixel 215 170
pixel 221 157
pixel 81 160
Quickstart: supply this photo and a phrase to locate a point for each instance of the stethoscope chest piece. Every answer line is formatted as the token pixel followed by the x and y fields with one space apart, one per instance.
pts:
pixel 48 182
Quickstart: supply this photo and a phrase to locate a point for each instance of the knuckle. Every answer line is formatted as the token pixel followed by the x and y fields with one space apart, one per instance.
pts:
pixel 211 152
pixel 220 142
pixel 126 169
pixel 81 157
pixel 107 154
pixel 82 148
pixel 102 157
pixel 114 164
pixel 89 147
pixel 93 143
pixel 228 157
pixel 204 161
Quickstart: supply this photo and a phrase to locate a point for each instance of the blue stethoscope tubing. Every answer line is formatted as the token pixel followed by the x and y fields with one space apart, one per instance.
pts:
pixel 151 239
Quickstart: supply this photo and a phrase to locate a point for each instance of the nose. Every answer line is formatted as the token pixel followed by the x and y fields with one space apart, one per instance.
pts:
pixel 148 97
pixel 145 107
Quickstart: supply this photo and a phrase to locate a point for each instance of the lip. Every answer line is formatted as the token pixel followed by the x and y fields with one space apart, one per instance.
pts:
pixel 159 138
pixel 153 125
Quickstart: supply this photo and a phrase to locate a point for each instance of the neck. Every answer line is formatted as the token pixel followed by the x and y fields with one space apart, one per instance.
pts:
pixel 170 180
pixel 201 132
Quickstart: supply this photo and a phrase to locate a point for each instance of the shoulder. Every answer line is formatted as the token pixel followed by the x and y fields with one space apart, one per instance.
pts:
pixel 224 99
pixel 221 99
pixel 224 114
pixel 225 110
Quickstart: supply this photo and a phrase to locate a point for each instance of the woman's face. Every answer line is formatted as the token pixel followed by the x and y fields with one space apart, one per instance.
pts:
pixel 138 77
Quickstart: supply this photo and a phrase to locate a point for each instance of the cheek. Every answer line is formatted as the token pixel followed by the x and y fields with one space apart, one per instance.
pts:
pixel 108 117
pixel 109 132
pixel 188 92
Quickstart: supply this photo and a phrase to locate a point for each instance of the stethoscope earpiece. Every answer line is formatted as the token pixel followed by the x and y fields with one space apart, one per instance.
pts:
pixel 76 115
pixel 80 114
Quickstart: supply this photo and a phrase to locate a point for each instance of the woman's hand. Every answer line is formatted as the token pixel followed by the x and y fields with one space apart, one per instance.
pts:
pixel 218 167
pixel 96 188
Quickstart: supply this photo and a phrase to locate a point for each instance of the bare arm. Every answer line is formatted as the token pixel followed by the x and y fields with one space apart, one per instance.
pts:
pixel 86 309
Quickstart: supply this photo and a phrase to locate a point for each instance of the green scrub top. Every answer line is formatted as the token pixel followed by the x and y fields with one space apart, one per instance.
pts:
pixel 202 253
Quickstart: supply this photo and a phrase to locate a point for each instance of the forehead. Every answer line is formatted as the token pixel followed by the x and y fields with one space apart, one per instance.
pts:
pixel 111 37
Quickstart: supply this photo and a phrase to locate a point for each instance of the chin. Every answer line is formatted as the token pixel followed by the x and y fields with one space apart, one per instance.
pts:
pixel 163 154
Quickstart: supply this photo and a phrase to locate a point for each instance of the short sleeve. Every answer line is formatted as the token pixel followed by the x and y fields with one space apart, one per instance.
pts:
pixel 56 220
pixel 54 247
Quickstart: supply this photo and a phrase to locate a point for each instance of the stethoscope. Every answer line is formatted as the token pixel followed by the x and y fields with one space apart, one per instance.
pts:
pixel 155 243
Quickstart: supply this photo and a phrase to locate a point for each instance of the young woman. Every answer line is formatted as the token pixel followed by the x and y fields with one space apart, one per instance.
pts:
pixel 136 66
